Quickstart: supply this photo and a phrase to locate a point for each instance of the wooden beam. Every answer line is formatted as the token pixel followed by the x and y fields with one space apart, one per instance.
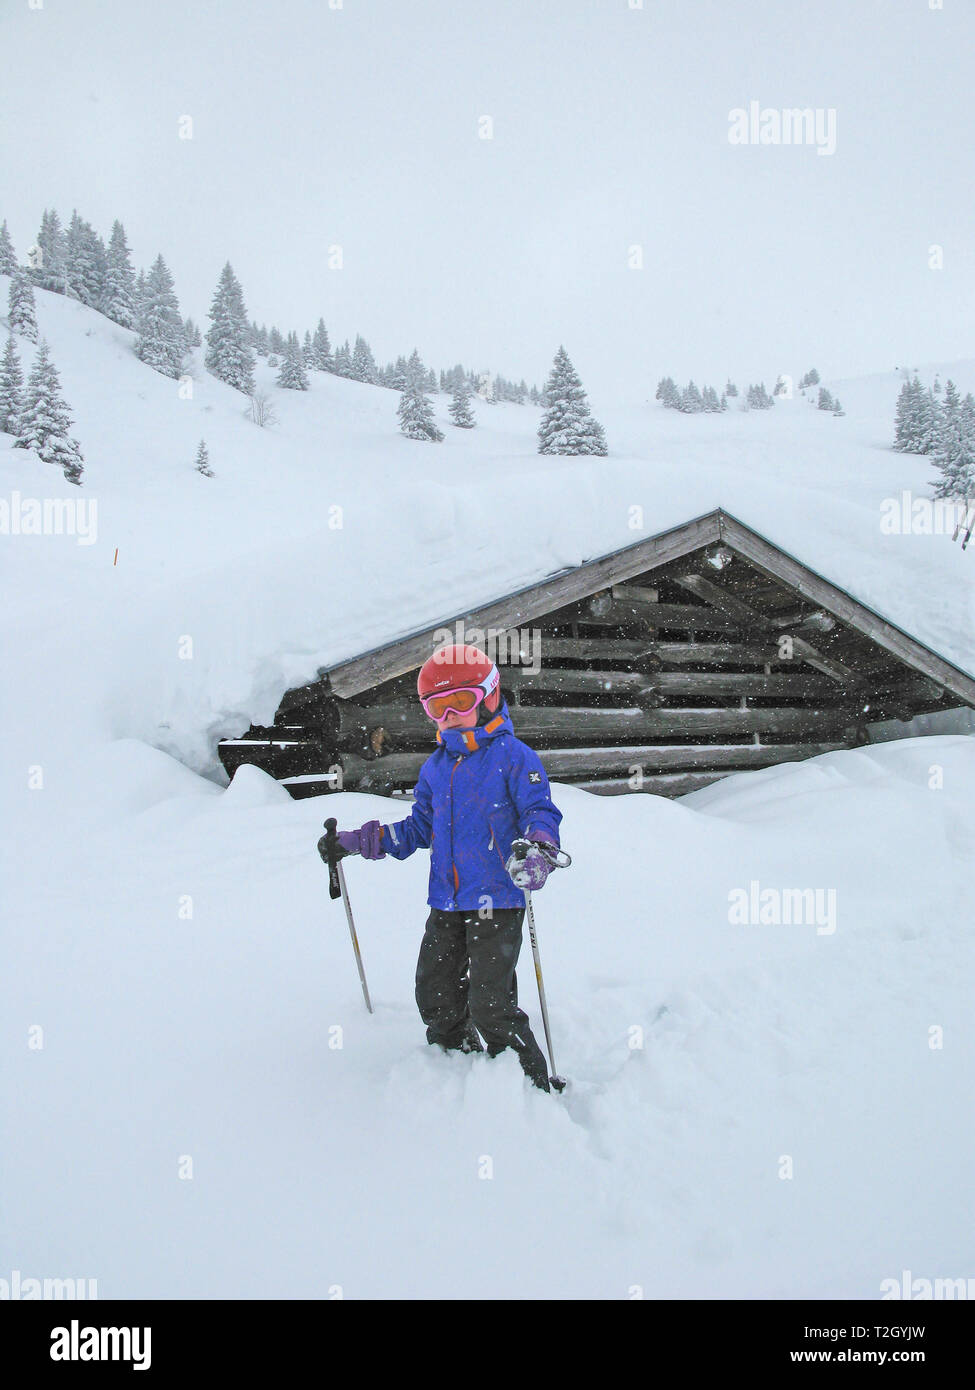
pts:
pixel 753 621
pixel 634 593
pixel 689 617
pixel 403 768
pixel 405 724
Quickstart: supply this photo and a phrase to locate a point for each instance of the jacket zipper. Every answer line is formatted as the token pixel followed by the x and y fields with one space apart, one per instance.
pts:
pixel 452 863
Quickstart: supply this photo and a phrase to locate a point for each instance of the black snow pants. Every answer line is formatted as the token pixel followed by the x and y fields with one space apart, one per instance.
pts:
pixel 465 980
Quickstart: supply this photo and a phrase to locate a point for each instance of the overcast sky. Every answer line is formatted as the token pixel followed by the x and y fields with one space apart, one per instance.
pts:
pixel 360 127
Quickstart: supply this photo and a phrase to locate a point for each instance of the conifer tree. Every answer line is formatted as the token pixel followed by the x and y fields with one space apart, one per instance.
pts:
pixel 343 360
pixel 11 381
pixel 668 393
pixel 397 378
pixel 321 349
pixel 275 342
pixel 306 349
pixel 416 372
pixel 953 453
pixel 825 401
pixel 140 298
pixel 162 341
pixel 730 388
pixel 202 464
pixel 292 375
pixel 8 259
pixel 44 420
pixel 21 313
pixel 709 400
pixel 459 409
pixel 416 418
pixel 51 273
pixel 691 402
pixel 191 333
pixel 567 427
pixel 229 354
pixel 363 362
pixel 119 302
pixel 929 415
pixel 907 416
pixel 86 262
pixel 758 398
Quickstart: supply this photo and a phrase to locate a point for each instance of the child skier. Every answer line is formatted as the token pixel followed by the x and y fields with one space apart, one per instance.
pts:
pixel 482 794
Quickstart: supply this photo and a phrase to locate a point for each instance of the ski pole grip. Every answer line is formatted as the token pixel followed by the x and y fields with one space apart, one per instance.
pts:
pixel 332 850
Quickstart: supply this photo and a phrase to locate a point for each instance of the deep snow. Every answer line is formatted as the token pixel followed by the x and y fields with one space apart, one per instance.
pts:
pixel 168 1036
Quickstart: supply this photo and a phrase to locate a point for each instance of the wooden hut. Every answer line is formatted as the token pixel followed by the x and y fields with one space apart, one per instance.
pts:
pixel 661 667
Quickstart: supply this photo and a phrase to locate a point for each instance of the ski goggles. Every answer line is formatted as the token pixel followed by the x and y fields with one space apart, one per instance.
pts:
pixel 459 701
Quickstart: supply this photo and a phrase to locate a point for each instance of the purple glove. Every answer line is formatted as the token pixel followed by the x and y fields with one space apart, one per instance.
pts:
pixel 365 841
pixel 529 865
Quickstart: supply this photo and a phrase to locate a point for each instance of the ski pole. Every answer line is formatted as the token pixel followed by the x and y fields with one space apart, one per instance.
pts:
pixel 557 1081
pixel 337 889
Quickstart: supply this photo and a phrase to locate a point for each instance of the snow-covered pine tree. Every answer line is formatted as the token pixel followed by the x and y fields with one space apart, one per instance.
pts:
pixel 162 342
pixel 907 416
pixel 307 350
pixel 952 454
pixel 202 464
pixel 292 375
pixel 459 409
pixel 398 374
pixel 837 407
pixel 44 419
pixel 730 389
pixel 191 333
pixel 567 427
pixel 758 398
pixel 321 349
pixel 8 258
pixel 431 381
pixel 261 345
pixel 691 402
pixel 275 342
pixel 140 298
pixel 929 411
pixel 86 263
pixel 416 372
pixel 11 381
pixel 21 313
pixel 668 393
pixel 119 301
pixel 363 362
pixel 709 400
pixel 229 355
pixel 416 419
pixel 825 400
pixel 343 360
pixel 50 273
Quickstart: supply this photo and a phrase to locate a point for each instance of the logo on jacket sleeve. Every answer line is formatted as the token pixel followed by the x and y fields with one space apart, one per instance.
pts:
pixel 534 776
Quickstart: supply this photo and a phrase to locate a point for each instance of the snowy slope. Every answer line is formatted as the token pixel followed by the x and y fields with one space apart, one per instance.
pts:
pixel 247 565
pixel 211 1037
pixel 359 1166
